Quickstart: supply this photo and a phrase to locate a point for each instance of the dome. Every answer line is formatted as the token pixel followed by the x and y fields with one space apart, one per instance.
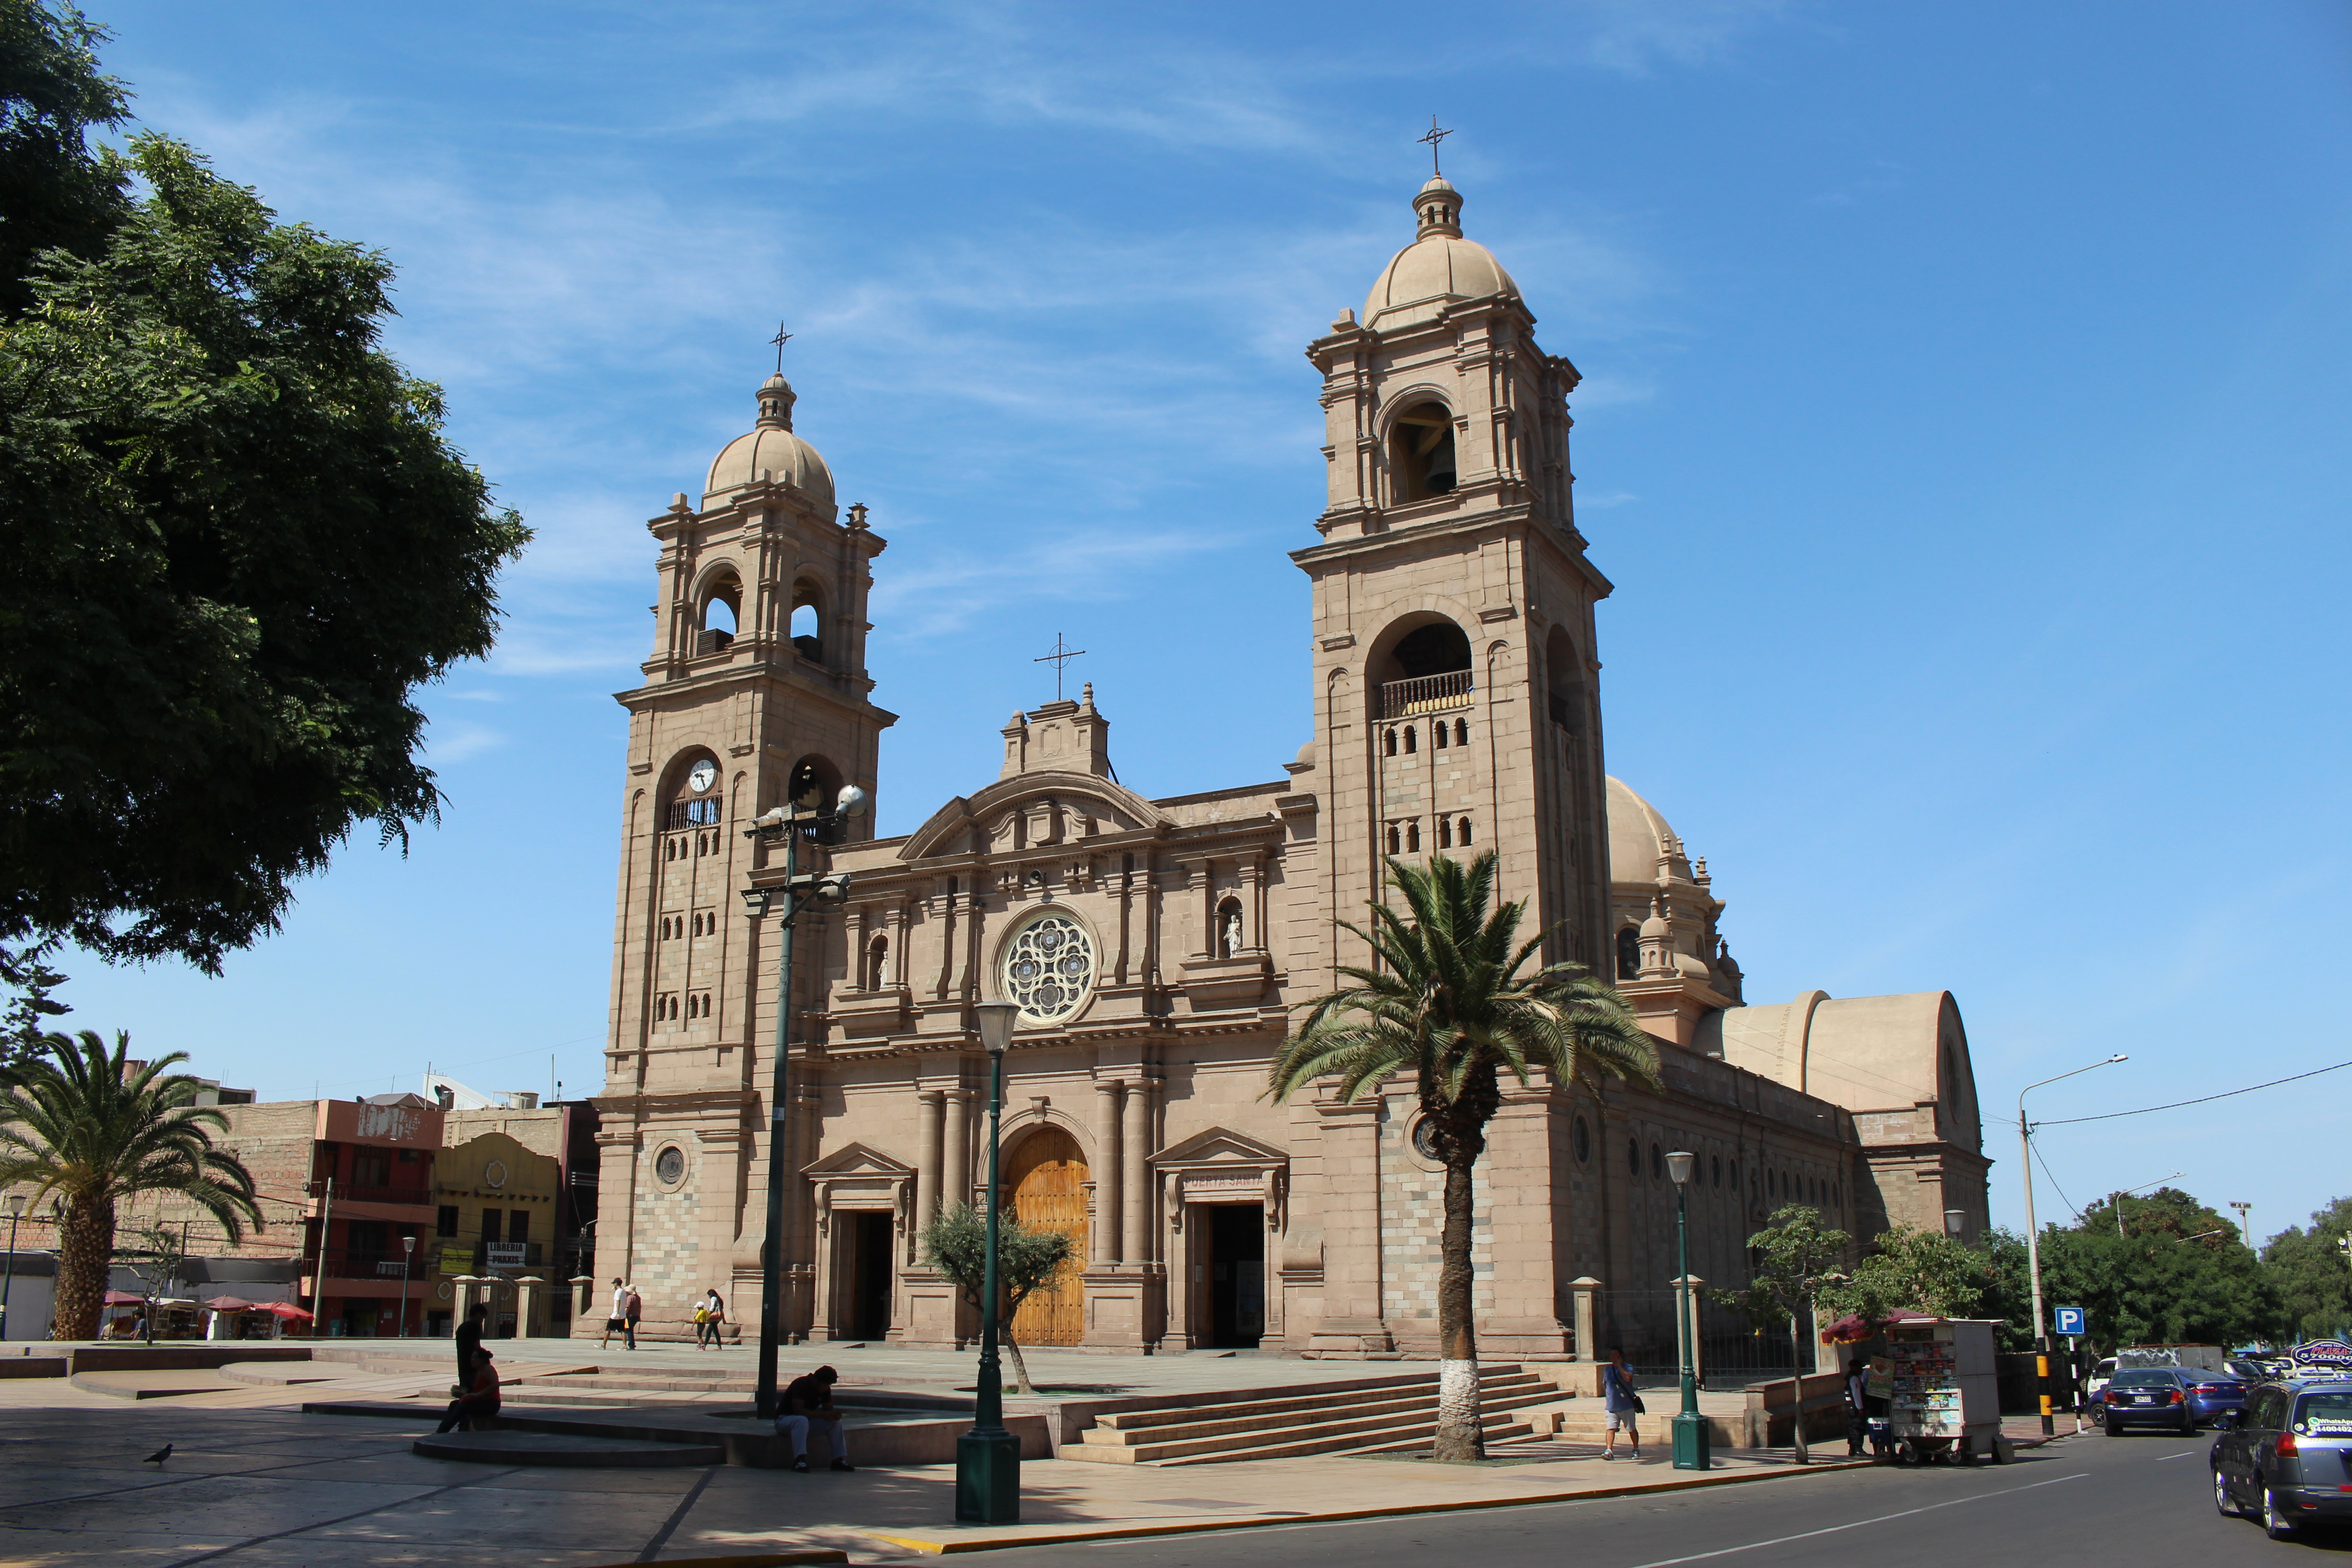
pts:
pixel 1437 267
pixel 1637 837
pixel 772 447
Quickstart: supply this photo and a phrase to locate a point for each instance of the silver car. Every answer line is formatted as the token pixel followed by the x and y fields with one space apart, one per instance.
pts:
pixel 2288 1461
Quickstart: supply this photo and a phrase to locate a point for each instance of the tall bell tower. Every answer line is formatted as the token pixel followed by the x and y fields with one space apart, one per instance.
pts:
pixel 1456 683
pixel 756 692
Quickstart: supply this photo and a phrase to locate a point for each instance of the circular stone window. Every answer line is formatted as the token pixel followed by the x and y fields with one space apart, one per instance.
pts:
pixel 494 1174
pixel 1049 968
pixel 1424 1138
pixel 669 1166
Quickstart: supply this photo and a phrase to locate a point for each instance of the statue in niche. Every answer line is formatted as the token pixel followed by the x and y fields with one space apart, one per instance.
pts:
pixel 1229 930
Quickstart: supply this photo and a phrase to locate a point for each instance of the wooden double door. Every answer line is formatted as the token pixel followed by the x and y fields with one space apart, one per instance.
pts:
pixel 1048 1176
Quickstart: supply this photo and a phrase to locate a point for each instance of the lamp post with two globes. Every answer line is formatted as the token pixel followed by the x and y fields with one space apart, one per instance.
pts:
pixel 1692 1449
pixel 988 1457
pixel 788 824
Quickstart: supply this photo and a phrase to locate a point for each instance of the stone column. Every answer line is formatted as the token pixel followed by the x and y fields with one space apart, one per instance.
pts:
pixel 930 1104
pixel 1135 1195
pixel 1104 1238
pixel 527 1289
pixel 956 1183
pixel 1589 1353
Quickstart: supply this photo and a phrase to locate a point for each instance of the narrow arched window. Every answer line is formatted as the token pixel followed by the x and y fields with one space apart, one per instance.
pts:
pixel 1462 731
pixel 1409 745
pixel 1445 829
pixel 1412 836
pixel 1629 952
pixel 1388 743
pixel 1461 832
pixel 1437 734
pixel 1395 840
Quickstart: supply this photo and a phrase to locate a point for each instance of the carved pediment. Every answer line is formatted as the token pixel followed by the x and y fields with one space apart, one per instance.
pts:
pixel 1219 1146
pixel 1032 809
pixel 857 1160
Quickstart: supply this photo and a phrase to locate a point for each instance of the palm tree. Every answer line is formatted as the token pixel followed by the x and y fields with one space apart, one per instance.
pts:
pixel 80 1126
pixel 1449 1004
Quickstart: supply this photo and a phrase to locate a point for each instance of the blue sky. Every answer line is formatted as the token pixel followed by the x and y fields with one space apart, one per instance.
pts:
pixel 1964 427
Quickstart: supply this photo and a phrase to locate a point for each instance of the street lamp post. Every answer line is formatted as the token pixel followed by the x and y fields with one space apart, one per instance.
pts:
pixel 1955 1222
pixel 1690 1444
pixel 7 1280
pixel 988 1457
pixel 2033 1239
pixel 2134 1192
pixel 786 824
pixel 407 1259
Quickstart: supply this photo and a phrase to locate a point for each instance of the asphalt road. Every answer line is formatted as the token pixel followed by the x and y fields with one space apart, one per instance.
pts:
pixel 2086 1501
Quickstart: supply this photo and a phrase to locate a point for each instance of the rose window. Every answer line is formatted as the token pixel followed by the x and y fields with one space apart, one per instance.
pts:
pixel 1049 968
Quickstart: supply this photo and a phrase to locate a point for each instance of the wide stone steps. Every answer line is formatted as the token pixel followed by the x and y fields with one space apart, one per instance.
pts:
pixel 1392 1414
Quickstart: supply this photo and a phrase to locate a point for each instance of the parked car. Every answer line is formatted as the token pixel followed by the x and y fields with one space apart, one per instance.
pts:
pixel 2148 1396
pixel 2213 1396
pixel 2288 1462
pixel 2096 1385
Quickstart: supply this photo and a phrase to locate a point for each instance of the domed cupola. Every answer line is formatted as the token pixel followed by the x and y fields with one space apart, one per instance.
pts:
pixel 771 449
pixel 1437 268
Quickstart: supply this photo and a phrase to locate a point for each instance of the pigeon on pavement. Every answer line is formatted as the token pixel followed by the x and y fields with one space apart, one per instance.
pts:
pixel 159 1456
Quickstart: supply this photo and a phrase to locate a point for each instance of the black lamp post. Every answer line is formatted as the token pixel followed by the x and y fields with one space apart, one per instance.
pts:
pixel 15 1213
pixel 407 1259
pixel 988 1457
pixel 787 824
pixel 1690 1444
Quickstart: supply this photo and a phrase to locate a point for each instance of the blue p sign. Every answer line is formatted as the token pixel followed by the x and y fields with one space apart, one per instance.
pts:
pixel 2070 1320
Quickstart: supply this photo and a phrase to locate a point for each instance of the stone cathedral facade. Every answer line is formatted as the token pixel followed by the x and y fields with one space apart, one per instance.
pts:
pixel 1155 946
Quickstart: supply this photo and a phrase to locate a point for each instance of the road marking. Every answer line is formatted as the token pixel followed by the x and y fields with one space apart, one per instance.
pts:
pixel 1857 1524
pixel 2184 1454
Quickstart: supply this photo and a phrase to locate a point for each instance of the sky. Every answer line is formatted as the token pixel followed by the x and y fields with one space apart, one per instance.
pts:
pixel 1964 426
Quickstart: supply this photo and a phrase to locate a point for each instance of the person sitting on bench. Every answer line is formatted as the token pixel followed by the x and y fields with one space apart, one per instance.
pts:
pixel 475 1402
pixel 808 1401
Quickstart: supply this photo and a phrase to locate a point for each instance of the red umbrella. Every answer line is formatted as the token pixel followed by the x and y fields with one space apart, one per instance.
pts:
pixel 1852 1329
pixel 287 1309
pixel 123 1299
pixel 229 1304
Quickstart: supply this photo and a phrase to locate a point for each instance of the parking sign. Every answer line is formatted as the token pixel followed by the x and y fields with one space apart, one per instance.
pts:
pixel 2070 1320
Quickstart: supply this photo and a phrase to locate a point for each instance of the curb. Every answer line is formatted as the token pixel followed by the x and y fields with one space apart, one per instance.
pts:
pixel 757 1560
pixel 940 1545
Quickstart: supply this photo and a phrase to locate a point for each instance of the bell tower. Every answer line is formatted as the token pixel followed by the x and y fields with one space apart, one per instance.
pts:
pixel 1456 697
pixel 755 692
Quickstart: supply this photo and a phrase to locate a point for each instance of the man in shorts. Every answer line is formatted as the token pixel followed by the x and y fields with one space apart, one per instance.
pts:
pixel 1621 1403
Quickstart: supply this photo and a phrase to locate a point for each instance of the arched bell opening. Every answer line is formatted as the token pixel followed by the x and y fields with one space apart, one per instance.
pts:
pixel 716 620
pixel 1420 666
pixel 1421 453
pixel 807 629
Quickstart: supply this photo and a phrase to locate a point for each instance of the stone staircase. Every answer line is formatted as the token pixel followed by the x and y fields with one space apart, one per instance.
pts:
pixel 1377 1415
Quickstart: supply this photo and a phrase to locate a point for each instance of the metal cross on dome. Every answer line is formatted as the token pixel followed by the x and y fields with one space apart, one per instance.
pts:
pixel 1433 138
pixel 1061 656
pixel 784 337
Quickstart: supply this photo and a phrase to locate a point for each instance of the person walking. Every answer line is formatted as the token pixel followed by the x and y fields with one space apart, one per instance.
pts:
pixel 708 1318
pixel 633 1308
pixel 470 1340
pixel 808 1401
pixel 478 1400
pixel 617 1320
pixel 1621 1403
pixel 1857 1406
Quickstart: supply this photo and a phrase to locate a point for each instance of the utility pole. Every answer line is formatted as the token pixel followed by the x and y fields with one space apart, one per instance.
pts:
pixel 2034 1244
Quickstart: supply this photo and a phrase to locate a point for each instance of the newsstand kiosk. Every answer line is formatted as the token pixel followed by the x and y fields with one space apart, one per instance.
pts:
pixel 1943 1400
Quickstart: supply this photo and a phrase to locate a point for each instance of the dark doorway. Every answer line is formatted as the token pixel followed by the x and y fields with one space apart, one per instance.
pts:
pixel 1236 1275
pixel 866 1272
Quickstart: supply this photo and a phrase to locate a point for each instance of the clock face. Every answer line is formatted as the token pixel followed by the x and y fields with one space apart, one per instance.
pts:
pixel 705 775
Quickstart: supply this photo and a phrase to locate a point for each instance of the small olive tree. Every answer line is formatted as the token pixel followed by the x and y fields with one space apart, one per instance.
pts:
pixel 1912 1270
pixel 1797 1259
pixel 955 1247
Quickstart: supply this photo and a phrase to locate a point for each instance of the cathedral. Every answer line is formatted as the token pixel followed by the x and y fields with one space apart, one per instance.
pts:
pixel 1156 947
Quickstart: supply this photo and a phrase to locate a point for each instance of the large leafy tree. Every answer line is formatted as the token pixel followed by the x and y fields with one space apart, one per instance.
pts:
pixel 2174 1272
pixel 1799 1262
pixel 1452 1003
pixel 54 193
pixel 1916 1270
pixel 954 1245
pixel 80 1124
pixel 2313 1273
pixel 236 541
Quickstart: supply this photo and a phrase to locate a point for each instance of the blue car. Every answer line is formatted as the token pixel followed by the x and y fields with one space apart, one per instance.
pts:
pixel 2167 1397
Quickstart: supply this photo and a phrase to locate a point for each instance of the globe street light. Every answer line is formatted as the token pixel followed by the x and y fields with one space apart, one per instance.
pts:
pixel 15 1213
pixel 988 1457
pixel 2034 1239
pixel 1690 1444
pixel 787 824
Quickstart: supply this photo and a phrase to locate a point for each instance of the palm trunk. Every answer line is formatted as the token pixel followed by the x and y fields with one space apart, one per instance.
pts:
pixel 85 1251
pixel 1461 1434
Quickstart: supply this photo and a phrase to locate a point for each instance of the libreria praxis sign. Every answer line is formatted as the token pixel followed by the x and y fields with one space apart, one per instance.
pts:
pixel 2323 1352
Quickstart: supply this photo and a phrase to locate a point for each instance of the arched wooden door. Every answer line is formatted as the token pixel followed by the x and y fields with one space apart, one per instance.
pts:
pixel 1048 1177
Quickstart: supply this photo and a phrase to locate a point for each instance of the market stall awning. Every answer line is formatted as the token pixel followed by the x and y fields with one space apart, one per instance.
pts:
pixel 230 1304
pixel 1853 1329
pixel 288 1310
pixel 123 1299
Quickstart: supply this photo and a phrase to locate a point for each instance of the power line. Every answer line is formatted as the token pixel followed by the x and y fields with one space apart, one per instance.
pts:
pixel 2053 1182
pixel 2201 1099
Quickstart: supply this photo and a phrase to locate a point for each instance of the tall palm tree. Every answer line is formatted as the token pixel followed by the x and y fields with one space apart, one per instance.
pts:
pixel 1450 1004
pixel 78 1124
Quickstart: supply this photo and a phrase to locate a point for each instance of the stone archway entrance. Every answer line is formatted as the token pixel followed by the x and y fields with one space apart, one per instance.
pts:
pixel 1047 1178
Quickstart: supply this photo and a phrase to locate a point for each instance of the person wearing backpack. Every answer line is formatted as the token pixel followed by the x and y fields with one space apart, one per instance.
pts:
pixel 1618 1398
